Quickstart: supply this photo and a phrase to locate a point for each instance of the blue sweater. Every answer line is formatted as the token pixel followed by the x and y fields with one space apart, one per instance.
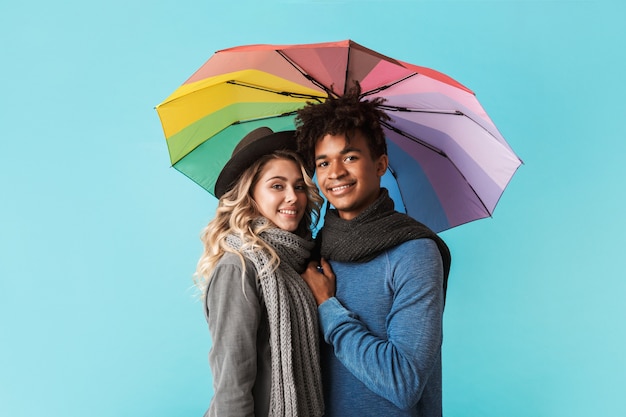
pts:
pixel 383 333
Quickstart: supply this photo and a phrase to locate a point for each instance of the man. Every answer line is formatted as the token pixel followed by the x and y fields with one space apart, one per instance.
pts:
pixel 382 316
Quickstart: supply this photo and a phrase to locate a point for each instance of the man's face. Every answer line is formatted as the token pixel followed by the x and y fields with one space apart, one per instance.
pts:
pixel 347 174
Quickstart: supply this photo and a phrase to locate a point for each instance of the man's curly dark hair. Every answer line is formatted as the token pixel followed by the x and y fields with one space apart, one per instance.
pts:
pixel 340 116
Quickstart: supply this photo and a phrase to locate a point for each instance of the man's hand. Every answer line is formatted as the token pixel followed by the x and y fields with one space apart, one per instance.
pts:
pixel 320 279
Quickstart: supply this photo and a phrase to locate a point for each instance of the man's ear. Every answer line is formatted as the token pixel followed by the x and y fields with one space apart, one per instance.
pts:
pixel 381 165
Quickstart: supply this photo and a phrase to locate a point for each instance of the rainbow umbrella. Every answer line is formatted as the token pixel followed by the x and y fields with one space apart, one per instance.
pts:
pixel 449 160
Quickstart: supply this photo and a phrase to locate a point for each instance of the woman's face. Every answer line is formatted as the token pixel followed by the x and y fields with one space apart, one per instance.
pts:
pixel 280 193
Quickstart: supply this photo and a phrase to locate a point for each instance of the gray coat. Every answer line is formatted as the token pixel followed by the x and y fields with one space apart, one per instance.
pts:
pixel 240 353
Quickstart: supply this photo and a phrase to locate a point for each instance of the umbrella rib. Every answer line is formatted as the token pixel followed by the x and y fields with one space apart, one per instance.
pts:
pixel 305 75
pixel 386 86
pixel 409 110
pixel 255 119
pixel 438 151
pixel 450 112
pixel 282 93
pixel 345 78
pixel 414 139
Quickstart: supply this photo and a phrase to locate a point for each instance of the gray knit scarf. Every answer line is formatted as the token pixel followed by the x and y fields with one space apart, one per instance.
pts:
pixel 292 312
pixel 375 230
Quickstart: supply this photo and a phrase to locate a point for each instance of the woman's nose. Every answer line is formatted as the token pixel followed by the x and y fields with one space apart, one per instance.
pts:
pixel 290 194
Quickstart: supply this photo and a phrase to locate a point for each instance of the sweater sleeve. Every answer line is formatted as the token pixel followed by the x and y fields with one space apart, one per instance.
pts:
pixel 233 315
pixel 396 367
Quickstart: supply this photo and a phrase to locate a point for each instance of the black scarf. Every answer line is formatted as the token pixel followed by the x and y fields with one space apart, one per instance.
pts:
pixel 372 232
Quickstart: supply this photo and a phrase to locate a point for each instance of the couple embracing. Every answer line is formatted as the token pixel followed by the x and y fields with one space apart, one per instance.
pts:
pixel 347 325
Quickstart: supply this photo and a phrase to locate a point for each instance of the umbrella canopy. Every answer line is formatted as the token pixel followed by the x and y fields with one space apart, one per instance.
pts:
pixel 450 161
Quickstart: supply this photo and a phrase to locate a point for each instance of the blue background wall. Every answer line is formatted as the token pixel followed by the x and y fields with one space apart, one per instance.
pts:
pixel 99 237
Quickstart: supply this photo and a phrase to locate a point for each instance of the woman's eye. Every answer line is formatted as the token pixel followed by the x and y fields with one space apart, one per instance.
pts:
pixel 277 186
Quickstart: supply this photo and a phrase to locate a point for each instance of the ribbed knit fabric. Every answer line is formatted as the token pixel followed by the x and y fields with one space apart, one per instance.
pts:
pixel 292 314
pixel 376 229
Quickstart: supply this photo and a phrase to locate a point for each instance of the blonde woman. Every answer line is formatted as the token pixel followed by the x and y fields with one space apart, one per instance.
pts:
pixel 261 315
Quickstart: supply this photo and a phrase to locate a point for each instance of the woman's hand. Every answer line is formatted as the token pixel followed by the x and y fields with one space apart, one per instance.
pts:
pixel 320 279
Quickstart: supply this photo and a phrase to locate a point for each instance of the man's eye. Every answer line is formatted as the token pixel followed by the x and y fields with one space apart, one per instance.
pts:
pixel 322 164
pixel 351 158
